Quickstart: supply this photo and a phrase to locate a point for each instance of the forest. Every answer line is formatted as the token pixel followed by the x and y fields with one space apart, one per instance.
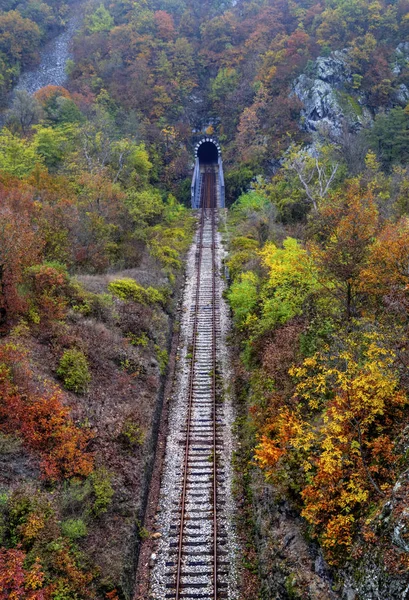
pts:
pixel 94 229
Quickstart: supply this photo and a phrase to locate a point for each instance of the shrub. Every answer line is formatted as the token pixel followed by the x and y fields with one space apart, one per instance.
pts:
pixel 90 304
pixel 129 289
pixel 243 297
pixel 44 424
pixel 163 358
pixel 141 340
pixel 74 370
pixel 102 489
pixel 74 529
pixel 16 580
pixel 48 284
pixel 131 434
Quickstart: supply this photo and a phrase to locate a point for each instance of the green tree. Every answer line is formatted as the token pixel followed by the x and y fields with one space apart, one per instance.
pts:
pixel 99 21
pixel 389 137
pixel 53 144
pixel 17 156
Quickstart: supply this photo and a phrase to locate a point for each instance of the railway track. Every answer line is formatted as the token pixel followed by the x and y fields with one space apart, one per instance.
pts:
pixel 194 559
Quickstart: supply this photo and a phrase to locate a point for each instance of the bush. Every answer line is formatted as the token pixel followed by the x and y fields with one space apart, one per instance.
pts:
pixel 129 289
pixel 74 370
pixel 74 529
pixel 48 284
pixel 131 434
pixel 163 358
pixel 102 489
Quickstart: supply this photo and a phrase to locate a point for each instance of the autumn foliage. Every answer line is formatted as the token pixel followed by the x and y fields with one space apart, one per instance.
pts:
pixel 327 374
pixel 18 582
pixel 43 422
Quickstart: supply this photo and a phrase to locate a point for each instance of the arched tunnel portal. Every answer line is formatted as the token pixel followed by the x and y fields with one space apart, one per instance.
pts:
pixel 208 153
pixel 208 162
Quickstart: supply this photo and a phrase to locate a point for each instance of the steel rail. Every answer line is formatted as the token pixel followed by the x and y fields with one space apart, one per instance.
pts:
pixel 214 401
pixel 189 414
pixel 208 203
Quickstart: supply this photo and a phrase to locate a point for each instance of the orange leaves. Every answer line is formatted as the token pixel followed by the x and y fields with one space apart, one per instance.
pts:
pixel 361 261
pixel 268 453
pixel 285 436
pixel 388 263
pixel 44 424
pixel 48 430
pixel 50 92
pixel 17 582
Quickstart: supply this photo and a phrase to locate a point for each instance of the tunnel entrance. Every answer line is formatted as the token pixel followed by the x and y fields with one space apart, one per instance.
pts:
pixel 207 153
pixel 208 173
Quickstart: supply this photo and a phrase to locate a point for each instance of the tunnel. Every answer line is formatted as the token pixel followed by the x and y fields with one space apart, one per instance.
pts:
pixel 208 153
pixel 208 163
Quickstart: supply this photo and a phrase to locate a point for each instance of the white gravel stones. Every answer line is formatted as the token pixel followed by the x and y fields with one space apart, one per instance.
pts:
pixel 197 566
pixel 54 57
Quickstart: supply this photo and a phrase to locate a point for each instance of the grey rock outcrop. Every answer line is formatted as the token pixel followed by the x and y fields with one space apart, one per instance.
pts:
pixel 402 95
pixel 326 104
pixel 401 58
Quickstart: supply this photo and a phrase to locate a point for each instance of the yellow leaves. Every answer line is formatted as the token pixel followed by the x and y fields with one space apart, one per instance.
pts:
pixel 371 162
pixel 31 528
pixel 35 577
pixel 343 399
pixel 338 533
pixel 287 261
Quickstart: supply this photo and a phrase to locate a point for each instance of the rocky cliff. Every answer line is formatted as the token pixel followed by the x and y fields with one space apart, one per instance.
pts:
pixel 331 98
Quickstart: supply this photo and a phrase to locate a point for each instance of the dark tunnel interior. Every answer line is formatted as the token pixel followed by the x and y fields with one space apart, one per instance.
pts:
pixel 208 153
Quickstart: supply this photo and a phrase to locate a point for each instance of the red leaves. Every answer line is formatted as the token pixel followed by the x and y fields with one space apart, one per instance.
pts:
pixel 19 247
pixel 44 424
pixel 17 582
pixel 164 25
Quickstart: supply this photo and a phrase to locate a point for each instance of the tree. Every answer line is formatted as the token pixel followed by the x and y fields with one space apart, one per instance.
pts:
pixel 99 21
pixel 252 138
pixel 389 137
pixel 20 247
pixel 164 25
pixel 387 270
pixel 224 84
pixel 25 111
pixel 19 38
pixel 292 278
pixel 17 156
pixel 346 225
pixel 357 456
pixel 53 144
pixel 339 430
pixel 316 174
